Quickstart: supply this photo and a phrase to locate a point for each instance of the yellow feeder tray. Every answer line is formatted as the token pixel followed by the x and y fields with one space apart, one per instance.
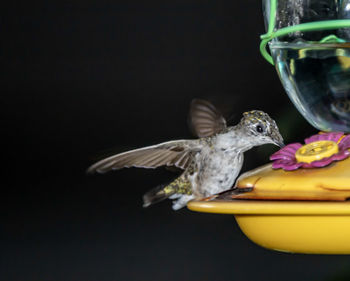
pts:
pixel 302 211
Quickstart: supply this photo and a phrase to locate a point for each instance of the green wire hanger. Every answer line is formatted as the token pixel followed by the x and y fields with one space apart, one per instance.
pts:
pixel 310 26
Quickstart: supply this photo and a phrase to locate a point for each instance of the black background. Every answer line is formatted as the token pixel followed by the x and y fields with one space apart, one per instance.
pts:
pixel 83 80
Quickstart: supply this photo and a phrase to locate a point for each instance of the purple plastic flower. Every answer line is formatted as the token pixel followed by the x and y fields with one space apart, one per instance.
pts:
pixel 319 151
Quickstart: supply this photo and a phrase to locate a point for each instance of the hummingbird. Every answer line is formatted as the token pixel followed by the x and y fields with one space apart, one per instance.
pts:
pixel 210 164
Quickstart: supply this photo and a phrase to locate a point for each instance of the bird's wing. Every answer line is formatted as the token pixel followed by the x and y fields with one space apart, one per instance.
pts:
pixel 172 153
pixel 205 119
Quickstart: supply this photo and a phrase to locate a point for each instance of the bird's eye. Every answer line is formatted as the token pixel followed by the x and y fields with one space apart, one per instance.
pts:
pixel 259 129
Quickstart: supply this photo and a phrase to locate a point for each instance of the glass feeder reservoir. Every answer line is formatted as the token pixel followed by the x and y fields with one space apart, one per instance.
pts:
pixel 309 43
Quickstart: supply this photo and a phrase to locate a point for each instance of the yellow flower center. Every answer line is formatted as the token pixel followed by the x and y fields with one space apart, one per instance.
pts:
pixel 316 151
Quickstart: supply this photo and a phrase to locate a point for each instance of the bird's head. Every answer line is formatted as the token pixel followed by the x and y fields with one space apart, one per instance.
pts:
pixel 261 128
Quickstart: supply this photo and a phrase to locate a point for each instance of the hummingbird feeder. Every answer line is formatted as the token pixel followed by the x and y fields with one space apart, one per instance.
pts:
pixel 299 202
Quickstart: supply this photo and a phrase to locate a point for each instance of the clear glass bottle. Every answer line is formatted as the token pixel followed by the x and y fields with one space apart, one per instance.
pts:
pixel 314 67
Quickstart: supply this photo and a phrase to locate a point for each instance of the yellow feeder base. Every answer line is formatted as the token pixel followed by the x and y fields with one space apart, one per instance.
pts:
pixel 289 226
pixel 302 211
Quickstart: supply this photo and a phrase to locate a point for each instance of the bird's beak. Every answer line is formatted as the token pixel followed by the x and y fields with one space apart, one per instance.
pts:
pixel 278 140
pixel 280 144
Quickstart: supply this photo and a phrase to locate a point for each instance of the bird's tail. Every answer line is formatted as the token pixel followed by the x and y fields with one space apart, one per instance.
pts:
pixel 157 194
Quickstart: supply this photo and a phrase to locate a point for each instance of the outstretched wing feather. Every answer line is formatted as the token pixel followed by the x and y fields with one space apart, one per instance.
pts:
pixel 174 153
